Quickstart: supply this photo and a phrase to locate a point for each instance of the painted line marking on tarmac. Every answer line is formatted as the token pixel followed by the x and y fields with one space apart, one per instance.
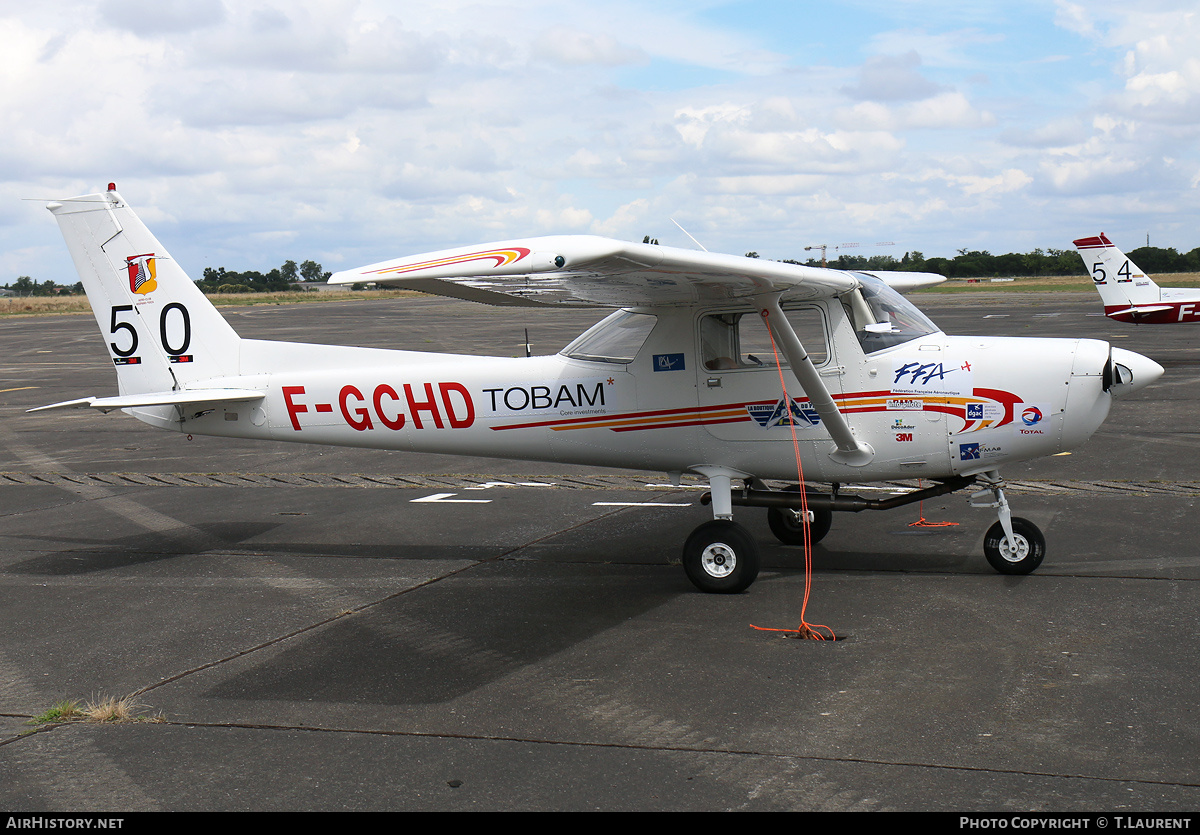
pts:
pixel 489 484
pixel 640 504
pixel 444 498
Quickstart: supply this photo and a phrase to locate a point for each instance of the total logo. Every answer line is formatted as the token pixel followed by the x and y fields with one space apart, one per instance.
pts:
pixel 1031 419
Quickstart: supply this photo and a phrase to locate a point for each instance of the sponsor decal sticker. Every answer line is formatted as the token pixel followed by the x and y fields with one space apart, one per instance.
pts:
pixel 919 376
pixel 905 405
pixel 576 397
pixel 768 415
pixel 1031 419
pixel 979 451
pixel 668 362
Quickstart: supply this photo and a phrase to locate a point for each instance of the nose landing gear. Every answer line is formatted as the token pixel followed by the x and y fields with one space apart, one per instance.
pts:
pixel 1013 545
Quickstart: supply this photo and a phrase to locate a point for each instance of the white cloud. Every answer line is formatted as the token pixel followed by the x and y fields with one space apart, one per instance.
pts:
pixel 155 17
pixel 562 45
pixel 368 128
pixel 892 78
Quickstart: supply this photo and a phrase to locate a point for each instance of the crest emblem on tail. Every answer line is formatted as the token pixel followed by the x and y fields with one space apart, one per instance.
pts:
pixel 142 274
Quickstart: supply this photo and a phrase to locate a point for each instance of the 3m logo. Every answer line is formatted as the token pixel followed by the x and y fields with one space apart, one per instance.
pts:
pixel 142 273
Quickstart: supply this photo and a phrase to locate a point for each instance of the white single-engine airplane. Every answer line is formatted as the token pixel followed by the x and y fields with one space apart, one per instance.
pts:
pixel 1129 295
pixel 682 377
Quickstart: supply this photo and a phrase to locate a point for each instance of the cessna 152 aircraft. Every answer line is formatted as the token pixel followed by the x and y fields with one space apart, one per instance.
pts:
pixel 1129 295
pixel 684 376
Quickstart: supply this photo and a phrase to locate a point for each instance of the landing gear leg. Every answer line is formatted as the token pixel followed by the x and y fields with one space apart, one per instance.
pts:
pixel 720 557
pixel 1012 545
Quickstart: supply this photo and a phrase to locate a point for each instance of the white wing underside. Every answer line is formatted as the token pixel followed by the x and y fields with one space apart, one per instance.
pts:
pixel 588 271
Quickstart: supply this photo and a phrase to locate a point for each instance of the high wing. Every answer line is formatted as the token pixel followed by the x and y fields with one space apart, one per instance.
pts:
pixel 589 271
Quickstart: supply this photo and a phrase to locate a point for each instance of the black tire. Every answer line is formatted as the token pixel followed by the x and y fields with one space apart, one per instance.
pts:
pixel 790 531
pixel 1031 547
pixel 720 557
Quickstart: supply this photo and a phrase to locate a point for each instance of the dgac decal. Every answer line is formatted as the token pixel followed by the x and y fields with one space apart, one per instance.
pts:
pixel 451 405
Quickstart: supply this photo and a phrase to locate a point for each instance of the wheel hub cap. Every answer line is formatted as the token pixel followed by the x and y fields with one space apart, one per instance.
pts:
pixel 1011 554
pixel 718 560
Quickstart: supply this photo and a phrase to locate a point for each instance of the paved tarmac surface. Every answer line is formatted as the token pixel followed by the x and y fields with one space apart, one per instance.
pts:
pixel 309 637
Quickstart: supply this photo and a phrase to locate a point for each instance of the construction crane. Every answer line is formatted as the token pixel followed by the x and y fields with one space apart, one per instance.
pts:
pixel 824 247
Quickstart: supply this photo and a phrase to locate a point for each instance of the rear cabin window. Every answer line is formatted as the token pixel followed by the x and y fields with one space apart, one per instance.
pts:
pixel 617 338
pixel 731 341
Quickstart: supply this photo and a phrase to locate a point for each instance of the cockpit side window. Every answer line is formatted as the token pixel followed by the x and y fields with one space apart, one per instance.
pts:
pixel 617 338
pixel 882 317
pixel 730 341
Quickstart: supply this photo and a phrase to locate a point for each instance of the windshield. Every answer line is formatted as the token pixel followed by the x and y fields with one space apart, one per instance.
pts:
pixel 882 317
pixel 617 338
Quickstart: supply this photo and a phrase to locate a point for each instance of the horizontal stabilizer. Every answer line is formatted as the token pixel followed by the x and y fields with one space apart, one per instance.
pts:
pixel 184 397
pixel 1141 309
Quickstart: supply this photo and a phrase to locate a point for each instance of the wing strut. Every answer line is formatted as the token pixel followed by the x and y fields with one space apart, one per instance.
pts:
pixel 850 450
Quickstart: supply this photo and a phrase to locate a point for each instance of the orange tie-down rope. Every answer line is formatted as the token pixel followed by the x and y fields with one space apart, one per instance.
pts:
pixel 922 523
pixel 805 630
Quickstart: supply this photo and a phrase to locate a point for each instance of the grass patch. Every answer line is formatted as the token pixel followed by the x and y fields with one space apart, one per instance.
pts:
pixel 67 710
pixel 55 305
pixel 1047 283
pixel 108 709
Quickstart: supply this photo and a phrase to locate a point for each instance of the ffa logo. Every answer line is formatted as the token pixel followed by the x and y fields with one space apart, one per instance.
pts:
pixel 142 272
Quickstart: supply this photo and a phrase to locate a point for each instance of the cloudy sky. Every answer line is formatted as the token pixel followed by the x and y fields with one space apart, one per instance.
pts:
pixel 247 132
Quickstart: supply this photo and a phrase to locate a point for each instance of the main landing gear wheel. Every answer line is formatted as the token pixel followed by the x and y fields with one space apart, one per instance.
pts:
pixel 1028 554
pixel 720 557
pixel 788 527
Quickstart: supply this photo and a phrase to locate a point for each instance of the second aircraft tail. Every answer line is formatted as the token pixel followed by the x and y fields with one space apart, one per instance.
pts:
pixel 1122 284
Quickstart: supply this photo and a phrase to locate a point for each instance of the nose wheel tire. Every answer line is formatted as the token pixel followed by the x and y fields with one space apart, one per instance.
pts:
pixel 720 557
pixel 1028 554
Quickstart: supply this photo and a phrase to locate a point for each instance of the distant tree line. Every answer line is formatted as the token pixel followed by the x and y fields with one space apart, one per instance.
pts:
pixel 287 277
pixel 982 264
pixel 26 286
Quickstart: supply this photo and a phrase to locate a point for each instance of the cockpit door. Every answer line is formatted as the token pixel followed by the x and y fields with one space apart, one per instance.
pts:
pixel 738 375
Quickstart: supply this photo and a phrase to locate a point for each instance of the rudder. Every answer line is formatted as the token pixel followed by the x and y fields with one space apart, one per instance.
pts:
pixel 161 331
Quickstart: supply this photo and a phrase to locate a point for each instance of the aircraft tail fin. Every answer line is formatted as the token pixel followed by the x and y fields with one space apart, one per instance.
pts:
pixel 161 331
pixel 1122 284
